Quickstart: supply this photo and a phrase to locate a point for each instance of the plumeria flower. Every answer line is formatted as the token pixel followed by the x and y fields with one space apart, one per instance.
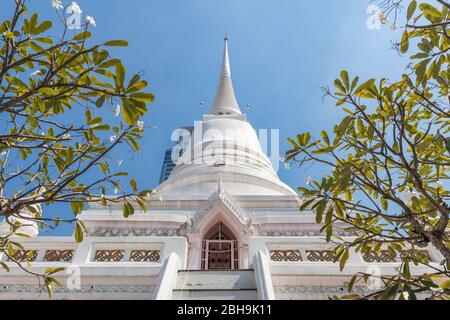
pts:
pixel 117 111
pixel 57 4
pixel 408 195
pixel 308 180
pixel 66 136
pixel 74 8
pixel 113 138
pixel 140 125
pixel 36 73
pixel 91 21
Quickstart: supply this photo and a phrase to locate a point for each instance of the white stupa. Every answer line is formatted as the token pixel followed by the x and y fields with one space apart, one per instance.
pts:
pixel 222 226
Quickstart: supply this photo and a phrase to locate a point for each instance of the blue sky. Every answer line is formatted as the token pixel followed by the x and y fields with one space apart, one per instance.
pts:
pixel 281 53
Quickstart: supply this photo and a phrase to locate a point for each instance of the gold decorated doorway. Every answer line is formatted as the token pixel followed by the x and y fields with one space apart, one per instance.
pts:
pixel 219 249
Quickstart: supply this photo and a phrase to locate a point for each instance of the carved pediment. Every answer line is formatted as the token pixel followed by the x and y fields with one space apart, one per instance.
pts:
pixel 220 202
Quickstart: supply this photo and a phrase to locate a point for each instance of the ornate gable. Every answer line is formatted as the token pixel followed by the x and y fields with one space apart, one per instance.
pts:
pixel 220 203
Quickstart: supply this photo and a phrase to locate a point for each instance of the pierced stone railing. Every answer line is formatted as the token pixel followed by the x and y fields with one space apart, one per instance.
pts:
pixel 320 255
pixel 285 255
pixel 24 255
pixel 109 255
pixel 386 256
pixel 59 255
pixel 145 255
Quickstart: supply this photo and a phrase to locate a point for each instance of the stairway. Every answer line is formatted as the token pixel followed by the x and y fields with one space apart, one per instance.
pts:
pixel 215 285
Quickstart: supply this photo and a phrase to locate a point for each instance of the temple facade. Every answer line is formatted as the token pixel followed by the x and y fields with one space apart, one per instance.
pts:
pixel 221 226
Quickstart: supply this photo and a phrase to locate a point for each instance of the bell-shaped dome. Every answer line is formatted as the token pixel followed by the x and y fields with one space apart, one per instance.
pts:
pixel 223 145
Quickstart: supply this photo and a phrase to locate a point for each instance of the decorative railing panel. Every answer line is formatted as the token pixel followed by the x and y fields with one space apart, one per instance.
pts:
pixel 386 256
pixel 320 255
pixel 59 255
pixel 109 255
pixel 145 255
pixel 285 255
pixel 24 255
pixel 382 256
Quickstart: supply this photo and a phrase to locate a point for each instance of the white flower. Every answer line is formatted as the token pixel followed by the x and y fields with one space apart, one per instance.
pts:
pixel 74 8
pixel 113 138
pixel 408 195
pixel 117 110
pixel 286 165
pixel 308 180
pixel 57 4
pixel 140 125
pixel 91 21
pixel 116 190
pixel 406 295
pixel 36 73
pixel 66 136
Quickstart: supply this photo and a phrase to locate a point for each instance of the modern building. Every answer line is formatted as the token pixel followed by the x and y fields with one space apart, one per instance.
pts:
pixel 174 153
pixel 221 226
pixel 167 166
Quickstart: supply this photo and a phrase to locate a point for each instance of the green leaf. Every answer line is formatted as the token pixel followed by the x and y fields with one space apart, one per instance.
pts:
pixel 103 127
pixel 306 204
pixel 69 155
pixel 345 79
pixel 390 292
pixel 133 143
pixel 49 271
pixel 120 76
pixel 324 135
pixel 445 284
pixel 133 184
pixel 116 43
pixel 44 40
pixel 144 97
pixel 404 44
pixel 384 203
pixel 128 209
pixel 411 8
pixel 78 232
pixel 4 266
pixel 344 259
pixel 82 35
pixel 320 209
pixel 44 26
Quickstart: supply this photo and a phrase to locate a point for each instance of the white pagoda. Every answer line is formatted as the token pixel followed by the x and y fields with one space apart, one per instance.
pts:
pixel 222 226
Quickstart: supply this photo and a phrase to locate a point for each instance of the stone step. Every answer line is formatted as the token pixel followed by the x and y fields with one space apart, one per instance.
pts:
pixel 243 294
pixel 216 280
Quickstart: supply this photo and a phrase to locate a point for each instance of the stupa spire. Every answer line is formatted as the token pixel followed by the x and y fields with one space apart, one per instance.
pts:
pixel 225 101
